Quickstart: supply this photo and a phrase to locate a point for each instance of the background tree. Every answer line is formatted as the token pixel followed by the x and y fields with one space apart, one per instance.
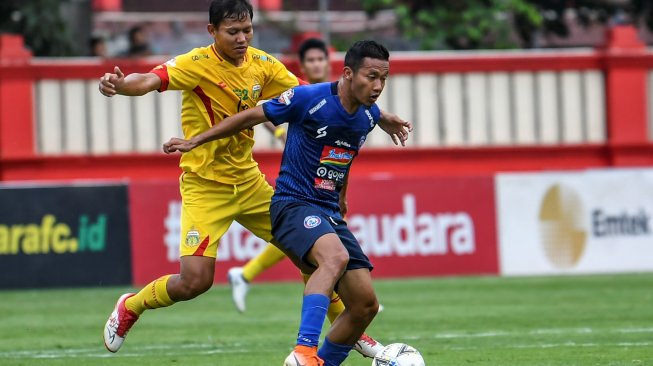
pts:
pixel 473 24
pixel 41 24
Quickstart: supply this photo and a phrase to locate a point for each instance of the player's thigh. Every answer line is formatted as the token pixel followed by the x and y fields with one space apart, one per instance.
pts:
pixel 198 269
pixel 327 249
pixel 254 201
pixel 357 258
pixel 296 227
pixel 208 209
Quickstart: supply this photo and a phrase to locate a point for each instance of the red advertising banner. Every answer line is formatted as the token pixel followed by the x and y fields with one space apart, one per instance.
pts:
pixel 412 226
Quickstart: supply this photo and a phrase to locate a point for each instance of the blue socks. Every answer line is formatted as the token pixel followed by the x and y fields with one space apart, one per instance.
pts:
pixel 314 311
pixel 333 354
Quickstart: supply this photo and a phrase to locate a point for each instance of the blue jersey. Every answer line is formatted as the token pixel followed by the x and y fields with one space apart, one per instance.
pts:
pixel 323 140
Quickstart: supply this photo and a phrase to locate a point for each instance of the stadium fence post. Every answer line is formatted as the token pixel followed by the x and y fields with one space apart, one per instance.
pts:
pixel 16 101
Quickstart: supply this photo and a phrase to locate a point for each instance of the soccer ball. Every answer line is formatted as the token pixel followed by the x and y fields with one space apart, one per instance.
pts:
pixel 398 354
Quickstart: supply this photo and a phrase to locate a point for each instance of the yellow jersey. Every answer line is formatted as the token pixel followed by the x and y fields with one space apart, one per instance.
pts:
pixel 214 89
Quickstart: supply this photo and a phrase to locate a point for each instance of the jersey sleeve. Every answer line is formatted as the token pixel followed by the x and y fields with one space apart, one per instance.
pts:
pixel 288 107
pixel 179 73
pixel 376 115
pixel 278 80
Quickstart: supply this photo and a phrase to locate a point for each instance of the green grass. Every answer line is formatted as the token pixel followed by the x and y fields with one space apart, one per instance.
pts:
pixel 593 320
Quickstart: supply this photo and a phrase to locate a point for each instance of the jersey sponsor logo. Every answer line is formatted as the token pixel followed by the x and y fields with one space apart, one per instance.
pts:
pixel 317 107
pixel 336 156
pixel 264 58
pixel 343 143
pixel 312 221
pixel 369 115
pixel 324 172
pixel 286 97
pixel 325 184
pixel 199 57
pixel 321 132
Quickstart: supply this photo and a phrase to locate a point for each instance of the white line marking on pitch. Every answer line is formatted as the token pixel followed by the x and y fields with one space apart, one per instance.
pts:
pixel 97 352
pixel 558 345
pixel 546 331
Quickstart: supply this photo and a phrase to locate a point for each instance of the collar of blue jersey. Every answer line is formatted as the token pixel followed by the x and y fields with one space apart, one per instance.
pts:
pixel 334 88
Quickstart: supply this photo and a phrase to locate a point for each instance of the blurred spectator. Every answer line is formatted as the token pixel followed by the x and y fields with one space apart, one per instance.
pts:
pixel 138 44
pixel 314 60
pixel 98 47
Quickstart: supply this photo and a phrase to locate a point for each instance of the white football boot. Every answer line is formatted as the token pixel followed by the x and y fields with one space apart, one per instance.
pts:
pixel 367 346
pixel 239 287
pixel 119 323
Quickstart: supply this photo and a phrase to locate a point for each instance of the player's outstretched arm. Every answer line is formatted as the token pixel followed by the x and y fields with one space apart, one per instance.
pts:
pixel 396 127
pixel 225 128
pixel 130 85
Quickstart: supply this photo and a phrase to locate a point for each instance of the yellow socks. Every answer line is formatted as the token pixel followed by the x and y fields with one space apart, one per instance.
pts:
pixel 336 307
pixel 270 256
pixel 153 296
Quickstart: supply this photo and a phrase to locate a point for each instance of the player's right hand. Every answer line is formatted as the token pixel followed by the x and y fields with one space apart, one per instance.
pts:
pixel 111 82
pixel 177 144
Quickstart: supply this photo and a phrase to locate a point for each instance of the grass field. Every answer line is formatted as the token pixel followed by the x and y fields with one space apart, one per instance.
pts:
pixel 594 320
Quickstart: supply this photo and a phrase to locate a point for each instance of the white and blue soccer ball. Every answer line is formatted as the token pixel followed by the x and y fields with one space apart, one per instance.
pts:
pixel 398 354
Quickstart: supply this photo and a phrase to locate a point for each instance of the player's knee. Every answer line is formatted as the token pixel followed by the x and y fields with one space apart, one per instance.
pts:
pixel 336 263
pixel 195 286
pixel 366 310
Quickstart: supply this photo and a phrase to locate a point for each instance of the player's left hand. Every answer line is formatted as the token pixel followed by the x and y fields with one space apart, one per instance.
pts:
pixel 396 127
pixel 177 144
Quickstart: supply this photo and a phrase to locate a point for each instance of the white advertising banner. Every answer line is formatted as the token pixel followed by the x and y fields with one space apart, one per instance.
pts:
pixel 595 221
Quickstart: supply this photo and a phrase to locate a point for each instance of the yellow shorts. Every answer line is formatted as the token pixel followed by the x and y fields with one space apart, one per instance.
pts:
pixel 209 207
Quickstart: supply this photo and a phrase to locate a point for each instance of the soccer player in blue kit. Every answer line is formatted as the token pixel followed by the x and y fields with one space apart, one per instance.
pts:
pixel 328 124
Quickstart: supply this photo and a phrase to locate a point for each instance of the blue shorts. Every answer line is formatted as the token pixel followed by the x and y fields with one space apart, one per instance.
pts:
pixel 296 226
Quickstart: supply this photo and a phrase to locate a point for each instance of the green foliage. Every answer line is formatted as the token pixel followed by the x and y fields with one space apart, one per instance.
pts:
pixel 459 24
pixel 41 24
pixel 472 24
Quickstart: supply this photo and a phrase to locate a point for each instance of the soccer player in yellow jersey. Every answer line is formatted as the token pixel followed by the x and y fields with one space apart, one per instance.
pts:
pixel 220 182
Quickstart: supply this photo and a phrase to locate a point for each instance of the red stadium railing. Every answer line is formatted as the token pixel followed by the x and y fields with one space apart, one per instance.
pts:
pixel 624 64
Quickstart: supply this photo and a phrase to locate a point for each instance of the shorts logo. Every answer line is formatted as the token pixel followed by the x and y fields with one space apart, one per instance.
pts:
pixel 312 221
pixel 192 237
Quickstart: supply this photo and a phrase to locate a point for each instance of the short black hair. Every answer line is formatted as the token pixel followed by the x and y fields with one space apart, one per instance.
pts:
pixel 312 43
pixel 95 40
pixel 361 49
pixel 132 32
pixel 223 9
